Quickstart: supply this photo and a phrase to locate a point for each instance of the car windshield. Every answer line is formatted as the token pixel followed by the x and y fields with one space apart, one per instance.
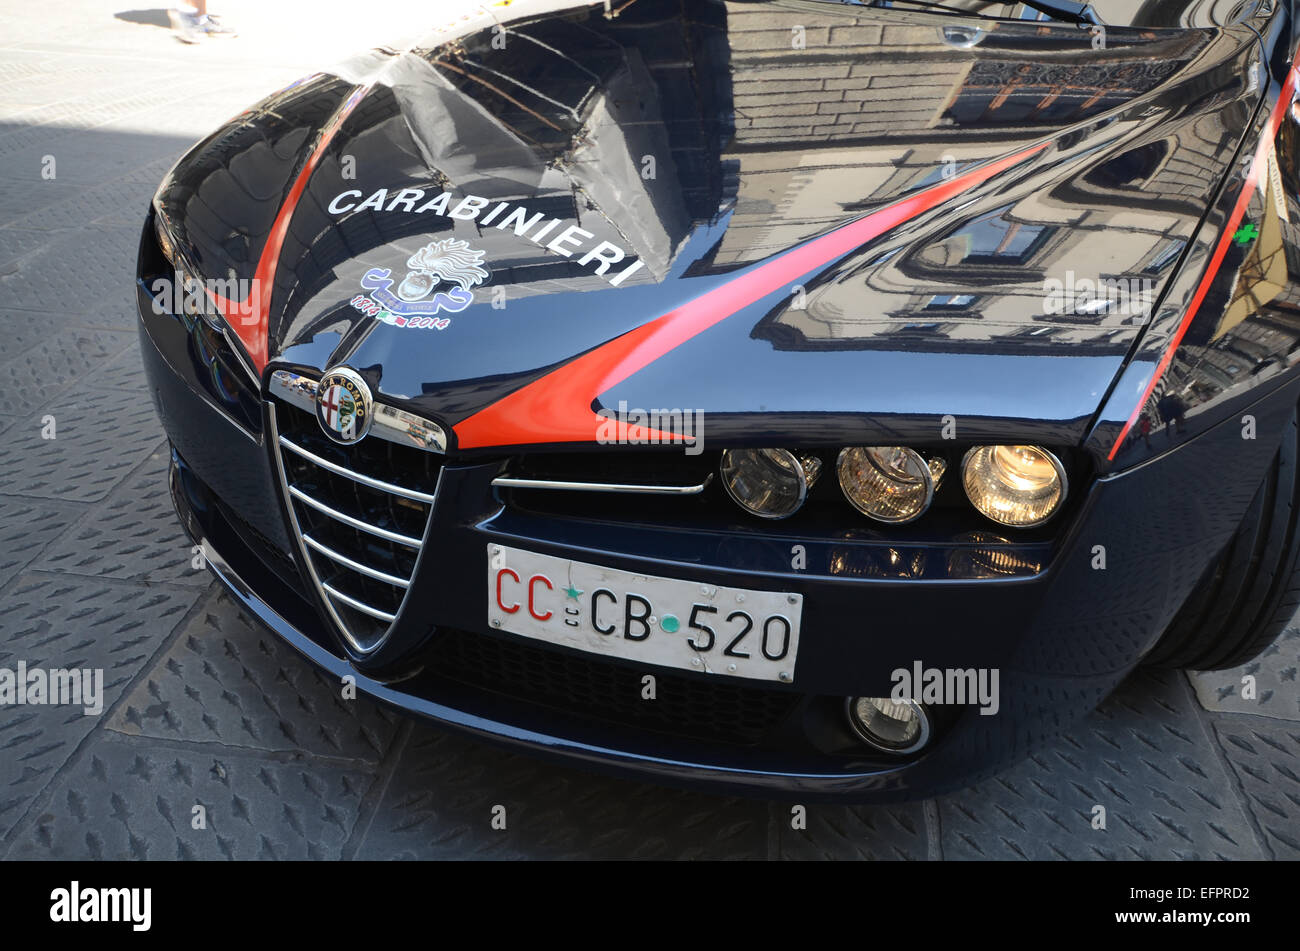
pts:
pixel 1144 14
pixel 1157 14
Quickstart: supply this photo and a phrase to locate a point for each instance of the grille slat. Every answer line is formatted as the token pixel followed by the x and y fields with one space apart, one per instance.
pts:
pixel 359 605
pixel 356 476
pixel 357 566
pixel 357 523
pixel 360 513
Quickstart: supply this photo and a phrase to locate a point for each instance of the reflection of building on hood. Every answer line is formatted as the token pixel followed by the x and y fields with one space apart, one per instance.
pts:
pixel 590 137
pixel 449 260
pixel 622 128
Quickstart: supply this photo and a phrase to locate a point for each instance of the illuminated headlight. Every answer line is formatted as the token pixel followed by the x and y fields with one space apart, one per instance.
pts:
pixel 888 483
pixel 769 483
pixel 1020 486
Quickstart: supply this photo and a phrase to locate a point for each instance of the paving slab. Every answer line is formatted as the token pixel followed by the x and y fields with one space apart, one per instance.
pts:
pixel 228 680
pixel 118 207
pixel 27 526
pixel 132 534
pixel 59 356
pixel 123 372
pixel 1265 755
pixel 1272 691
pixel 100 437
pixel 869 833
pixel 440 802
pixel 128 798
pixel 19 199
pixel 87 272
pixel 1145 757
pixel 50 622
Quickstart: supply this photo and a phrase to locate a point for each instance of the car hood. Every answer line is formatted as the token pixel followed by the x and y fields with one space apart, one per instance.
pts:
pixel 812 223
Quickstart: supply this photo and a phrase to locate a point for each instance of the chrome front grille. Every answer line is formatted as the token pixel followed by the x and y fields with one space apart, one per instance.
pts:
pixel 360 514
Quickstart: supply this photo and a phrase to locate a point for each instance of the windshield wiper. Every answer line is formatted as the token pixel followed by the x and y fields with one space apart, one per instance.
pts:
pixel 1070 11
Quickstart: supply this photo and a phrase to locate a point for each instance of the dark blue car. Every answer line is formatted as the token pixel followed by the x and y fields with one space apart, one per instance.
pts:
pixel 789 396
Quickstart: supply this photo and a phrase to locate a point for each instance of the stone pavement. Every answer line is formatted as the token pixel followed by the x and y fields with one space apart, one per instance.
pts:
pixel 202 706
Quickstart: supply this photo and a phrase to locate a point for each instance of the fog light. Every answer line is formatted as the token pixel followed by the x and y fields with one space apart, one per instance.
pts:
pixel 887 483
pixel 769 483
pixel 1020 486
pixel 893 726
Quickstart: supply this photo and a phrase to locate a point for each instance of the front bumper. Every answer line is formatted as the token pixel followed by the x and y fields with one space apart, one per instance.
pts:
pixel 1061 639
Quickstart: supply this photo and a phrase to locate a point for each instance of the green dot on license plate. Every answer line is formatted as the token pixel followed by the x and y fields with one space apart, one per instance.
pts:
pixel 670 623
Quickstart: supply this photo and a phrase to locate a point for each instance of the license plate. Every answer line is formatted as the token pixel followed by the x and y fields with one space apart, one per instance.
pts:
pixel 664 621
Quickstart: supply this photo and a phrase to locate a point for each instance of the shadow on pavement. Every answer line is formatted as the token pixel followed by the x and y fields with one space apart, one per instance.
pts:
pixel 157 17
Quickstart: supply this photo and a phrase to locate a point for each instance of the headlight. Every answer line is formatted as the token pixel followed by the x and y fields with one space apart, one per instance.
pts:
pixel 888 483
pixel 1020 486
pixel 194 301
pixel 189 292
pixel 165 243
pixel 769 483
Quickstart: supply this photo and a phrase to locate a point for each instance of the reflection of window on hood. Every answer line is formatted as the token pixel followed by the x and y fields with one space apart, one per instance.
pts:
pixel 951 302
pixel 1164 259
pixel 1006 92
pixel 995 239
pixel 1035 332
pixel 1132 169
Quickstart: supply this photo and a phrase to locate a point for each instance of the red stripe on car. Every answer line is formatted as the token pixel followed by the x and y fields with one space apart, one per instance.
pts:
pixel 1266 141
pixel 558 407
pixel 250 318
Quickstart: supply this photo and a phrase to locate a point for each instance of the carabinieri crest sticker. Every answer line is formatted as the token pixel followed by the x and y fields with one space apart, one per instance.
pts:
pixel 440 277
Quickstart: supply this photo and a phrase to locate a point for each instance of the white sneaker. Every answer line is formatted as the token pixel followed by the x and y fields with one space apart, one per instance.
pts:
pixel 211 25
pixel 185 26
